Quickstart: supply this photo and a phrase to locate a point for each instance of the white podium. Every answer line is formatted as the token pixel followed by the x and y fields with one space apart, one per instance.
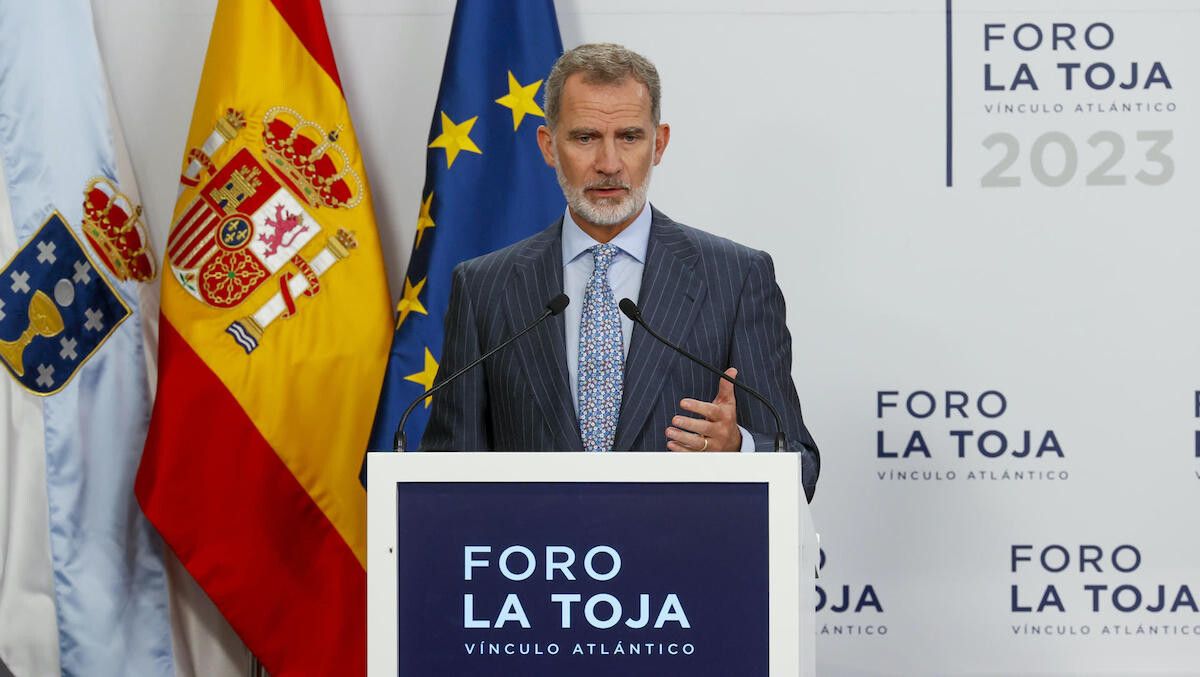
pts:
pixel 589 564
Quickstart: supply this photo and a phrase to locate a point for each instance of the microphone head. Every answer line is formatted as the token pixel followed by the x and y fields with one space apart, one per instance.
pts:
pixel 557 304
pixel 631 310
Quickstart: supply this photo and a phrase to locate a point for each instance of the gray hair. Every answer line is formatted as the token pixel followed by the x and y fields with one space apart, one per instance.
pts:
pixel 601 63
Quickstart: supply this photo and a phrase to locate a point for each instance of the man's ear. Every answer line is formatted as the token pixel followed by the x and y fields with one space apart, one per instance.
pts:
pixel 545 140
pixel 661 138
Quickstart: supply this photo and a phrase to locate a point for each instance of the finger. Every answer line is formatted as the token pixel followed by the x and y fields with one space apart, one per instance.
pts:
pixel 693 441
pixel 708 410
pixel 672 445
pixel 725 389
pixel 699 426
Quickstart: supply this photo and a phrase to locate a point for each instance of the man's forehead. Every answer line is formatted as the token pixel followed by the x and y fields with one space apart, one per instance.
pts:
pixel 598 80
pixel 626 98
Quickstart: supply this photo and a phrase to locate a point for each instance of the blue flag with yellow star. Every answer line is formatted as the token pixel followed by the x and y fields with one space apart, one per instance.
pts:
pixel 486 185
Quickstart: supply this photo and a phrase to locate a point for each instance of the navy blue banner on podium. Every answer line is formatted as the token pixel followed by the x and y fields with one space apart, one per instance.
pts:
pixel 593 578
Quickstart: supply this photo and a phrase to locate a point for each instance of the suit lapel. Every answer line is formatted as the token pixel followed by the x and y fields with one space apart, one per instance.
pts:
pixel 670 297
pixel 536 278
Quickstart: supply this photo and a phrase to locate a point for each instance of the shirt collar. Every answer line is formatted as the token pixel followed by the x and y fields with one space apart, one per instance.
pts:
pixel 633 240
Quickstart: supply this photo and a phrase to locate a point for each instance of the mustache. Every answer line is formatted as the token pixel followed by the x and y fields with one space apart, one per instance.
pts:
pixel 607 184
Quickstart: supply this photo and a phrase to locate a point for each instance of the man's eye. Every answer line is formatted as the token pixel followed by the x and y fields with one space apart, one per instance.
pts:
pixel 583 138
pixel 630 138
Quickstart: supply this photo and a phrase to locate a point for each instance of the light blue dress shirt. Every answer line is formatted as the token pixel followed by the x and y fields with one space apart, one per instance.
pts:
pixel 625 278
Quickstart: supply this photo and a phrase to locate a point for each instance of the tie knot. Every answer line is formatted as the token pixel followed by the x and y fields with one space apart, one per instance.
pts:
pixel 603 255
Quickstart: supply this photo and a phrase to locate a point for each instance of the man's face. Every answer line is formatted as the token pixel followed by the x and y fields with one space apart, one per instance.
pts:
pixel 602 149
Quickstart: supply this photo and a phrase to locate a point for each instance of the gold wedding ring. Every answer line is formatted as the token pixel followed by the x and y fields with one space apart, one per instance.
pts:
pixel 705 447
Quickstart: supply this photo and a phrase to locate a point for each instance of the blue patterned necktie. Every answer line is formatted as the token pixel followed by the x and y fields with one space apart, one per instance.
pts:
pixel 601 356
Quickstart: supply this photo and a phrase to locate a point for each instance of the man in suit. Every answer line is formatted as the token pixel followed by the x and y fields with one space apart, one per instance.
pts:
pixel 589 379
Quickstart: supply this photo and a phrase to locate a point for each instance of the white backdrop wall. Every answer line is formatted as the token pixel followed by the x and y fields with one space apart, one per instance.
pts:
pixel 1061 307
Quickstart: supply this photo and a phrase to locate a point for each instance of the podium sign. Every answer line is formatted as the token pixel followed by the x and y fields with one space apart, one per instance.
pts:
pixel 586 564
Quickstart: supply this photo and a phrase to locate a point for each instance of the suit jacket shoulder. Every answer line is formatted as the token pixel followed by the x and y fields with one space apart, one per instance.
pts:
pixel 704 241
pixel 495 265
pixel 711 257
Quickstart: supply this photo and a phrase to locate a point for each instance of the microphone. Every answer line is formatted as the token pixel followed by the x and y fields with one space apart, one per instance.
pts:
pixel 634 313
pixel 553 307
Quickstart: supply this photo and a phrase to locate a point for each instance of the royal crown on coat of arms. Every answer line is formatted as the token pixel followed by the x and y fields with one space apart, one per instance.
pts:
pixel 311 159
pixel 114 227
pixel 252 216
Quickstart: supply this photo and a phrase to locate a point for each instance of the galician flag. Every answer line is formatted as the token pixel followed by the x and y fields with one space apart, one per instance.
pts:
pixel 274 334
pixel 82 587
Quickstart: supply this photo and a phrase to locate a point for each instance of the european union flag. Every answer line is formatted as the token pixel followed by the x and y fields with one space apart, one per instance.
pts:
pixel 486 185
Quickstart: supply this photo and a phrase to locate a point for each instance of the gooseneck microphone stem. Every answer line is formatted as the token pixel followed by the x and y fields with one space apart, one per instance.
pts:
pixel 553 307
pixel 634 313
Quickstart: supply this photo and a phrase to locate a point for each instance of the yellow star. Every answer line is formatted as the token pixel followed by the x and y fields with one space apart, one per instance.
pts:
pixel 521 100
pixel 411 301
pixel 425 378
pixel 455 138
pixel 424 220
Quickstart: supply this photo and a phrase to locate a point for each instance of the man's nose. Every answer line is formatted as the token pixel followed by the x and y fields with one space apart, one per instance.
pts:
pixel 607 162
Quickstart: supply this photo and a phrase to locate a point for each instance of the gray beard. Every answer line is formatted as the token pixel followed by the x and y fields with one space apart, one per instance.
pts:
pixel 609 211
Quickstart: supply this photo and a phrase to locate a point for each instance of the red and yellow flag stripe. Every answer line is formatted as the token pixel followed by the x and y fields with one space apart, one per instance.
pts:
pixel 251 464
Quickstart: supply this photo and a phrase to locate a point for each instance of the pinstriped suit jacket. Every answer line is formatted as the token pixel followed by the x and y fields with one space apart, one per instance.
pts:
pixel 716 298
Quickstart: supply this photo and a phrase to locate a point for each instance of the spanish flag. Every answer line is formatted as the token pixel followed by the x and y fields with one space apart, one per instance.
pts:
pixel 274 335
